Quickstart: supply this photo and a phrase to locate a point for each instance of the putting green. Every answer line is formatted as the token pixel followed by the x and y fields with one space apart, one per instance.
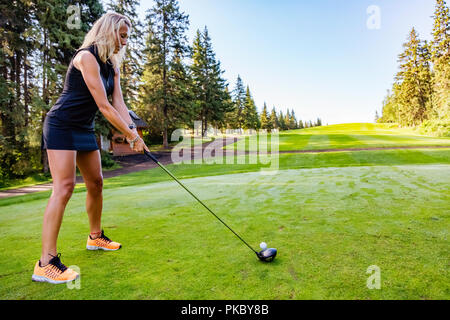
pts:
pixel 329 225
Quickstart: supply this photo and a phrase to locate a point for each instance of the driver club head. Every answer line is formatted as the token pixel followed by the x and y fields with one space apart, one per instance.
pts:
pixel 267 255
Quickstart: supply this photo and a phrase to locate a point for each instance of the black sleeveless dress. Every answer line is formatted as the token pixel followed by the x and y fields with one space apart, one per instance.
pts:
pixel 69 125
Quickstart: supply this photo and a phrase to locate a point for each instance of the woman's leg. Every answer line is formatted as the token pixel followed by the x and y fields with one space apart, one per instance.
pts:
pixel 90 165
pixel 62 168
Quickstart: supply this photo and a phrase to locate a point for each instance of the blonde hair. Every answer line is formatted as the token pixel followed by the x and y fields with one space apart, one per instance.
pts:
pixel 104 33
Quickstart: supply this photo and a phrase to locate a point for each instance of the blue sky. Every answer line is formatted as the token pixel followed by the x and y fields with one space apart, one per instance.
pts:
pixel 316 57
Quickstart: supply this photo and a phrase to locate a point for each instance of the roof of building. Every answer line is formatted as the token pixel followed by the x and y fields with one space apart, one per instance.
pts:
pixel 138 121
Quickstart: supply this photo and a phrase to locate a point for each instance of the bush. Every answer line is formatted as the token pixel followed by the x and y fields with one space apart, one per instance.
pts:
pixel 15 164
pixel 107 161
pixel 438 128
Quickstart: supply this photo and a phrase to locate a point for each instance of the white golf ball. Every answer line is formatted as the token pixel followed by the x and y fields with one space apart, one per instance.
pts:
pixel 263 245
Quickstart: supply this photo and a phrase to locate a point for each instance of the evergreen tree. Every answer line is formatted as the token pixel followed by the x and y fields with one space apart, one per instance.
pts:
pixel 413 82
pixel 287 120
pixel 228 119
pixel 281 121
pixel 390 113
pixel 300 124
pixel 210 92
pixel 250 114
pixel 132 66
pixel 236 118
pixel 293 121
pixel 181 89
pixel 166 46
pixel 318 122
pixel 274 119
pixel 37 46
pixel 440 56
pixel 265 119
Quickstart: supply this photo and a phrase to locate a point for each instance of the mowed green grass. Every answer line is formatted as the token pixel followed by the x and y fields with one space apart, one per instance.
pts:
pixel 343 136
pixel 330 215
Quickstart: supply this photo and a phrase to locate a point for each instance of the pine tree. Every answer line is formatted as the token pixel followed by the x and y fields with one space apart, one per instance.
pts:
pixel 287 120
pixel 159 93
pixel 440 56
pixel 236 119
pixel 300 124
pixel 390 112
pixel 281 121
pixel 210 93
pixel 132 66
pixel 318 122
pixel 293 121
pixel 265 119
pixel 274 119
pixel 250 114
pixel 181 96
pixel 413 81
pixel 228 120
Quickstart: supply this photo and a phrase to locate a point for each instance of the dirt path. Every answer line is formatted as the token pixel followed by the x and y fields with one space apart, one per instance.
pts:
pixel 140 162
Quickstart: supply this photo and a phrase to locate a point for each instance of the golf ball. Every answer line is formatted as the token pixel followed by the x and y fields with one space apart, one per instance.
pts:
pixel 263 245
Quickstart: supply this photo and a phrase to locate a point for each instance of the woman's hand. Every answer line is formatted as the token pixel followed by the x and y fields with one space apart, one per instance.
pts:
pixel 137 144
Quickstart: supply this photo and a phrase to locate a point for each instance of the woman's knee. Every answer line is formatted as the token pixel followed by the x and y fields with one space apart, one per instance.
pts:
pixel 64 189
pixel 95 185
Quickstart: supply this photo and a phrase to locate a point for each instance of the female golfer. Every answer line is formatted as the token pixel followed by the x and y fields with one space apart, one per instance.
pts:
pixel 69 139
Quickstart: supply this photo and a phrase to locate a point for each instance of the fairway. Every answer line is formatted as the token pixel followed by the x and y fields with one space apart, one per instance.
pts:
pixel 346 136
pixel 329 225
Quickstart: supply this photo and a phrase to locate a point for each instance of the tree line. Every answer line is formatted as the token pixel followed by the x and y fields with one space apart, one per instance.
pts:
pixel 169 82
pixel 420 95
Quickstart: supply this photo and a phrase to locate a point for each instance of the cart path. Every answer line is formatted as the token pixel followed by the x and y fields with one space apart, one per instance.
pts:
pixel 133 163
pixel 141 162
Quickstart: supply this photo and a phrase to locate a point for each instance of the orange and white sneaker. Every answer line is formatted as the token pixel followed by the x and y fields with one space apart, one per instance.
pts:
pixel 54 272
pixel 102 243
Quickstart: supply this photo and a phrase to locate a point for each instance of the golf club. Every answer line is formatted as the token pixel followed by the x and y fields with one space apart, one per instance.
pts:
pixel 266 255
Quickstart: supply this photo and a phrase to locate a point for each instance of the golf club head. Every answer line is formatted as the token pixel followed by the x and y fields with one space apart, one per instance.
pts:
pixel 267 255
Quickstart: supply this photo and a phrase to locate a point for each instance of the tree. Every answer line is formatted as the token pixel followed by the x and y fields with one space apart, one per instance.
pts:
pixel 228 122
pixel 235 118
pixel 281 121
pixel 250 114
pixel 265 119
pixel 287 120
pixel 440 57
pixel 132 66
pixel 413 88
pixel 274 119
pixel 166 45
pixel 390 111
pixel 293 121
pixel 37 45
pixel 318 122
pixel 210 88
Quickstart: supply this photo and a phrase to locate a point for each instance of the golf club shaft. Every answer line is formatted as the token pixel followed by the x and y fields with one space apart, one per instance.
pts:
pixel 170 174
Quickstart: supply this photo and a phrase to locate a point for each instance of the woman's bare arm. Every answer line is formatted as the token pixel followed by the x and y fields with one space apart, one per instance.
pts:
pixel 90 70
pixel 87 64
pixel 117 98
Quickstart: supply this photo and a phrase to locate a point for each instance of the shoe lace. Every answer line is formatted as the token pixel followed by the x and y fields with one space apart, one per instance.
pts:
pixel 56 261
pixel 105 238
